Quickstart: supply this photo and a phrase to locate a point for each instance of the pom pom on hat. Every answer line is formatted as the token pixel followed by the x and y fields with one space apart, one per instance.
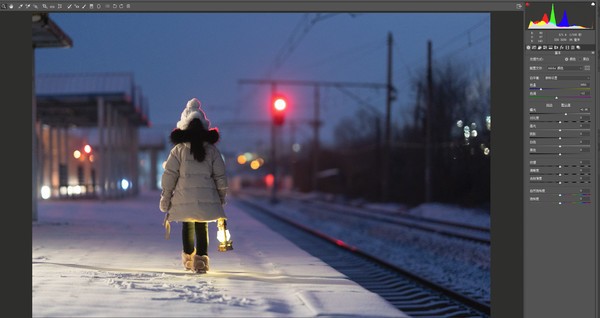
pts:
pixel 192 110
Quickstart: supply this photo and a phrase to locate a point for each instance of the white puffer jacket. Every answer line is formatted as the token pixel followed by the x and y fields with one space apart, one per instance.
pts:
pixel 194 191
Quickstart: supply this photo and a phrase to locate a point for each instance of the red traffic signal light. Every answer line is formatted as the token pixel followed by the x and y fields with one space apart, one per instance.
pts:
pixel 279 106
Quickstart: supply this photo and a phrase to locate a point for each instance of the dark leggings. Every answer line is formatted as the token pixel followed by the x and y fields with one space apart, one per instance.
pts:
pixel 200 229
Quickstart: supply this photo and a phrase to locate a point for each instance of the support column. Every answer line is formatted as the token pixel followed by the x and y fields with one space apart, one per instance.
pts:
pixel 59 150
pixel 66 155
pixel 101 157
pixel 109 151
pixel 34 157
pixel 119 162
pixel 153 170
pixel 50 164
pixel 125 150
pixel 41 154
pixel 135 140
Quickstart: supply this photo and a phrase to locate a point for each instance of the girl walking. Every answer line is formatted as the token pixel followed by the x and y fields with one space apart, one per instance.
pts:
pixel 194 184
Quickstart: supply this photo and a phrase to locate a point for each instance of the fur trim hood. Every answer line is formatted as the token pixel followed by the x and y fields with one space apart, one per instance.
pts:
pixel 180 136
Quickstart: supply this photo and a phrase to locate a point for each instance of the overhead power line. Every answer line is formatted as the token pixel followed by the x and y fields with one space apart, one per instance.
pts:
pixel 445 45
pixel 307 21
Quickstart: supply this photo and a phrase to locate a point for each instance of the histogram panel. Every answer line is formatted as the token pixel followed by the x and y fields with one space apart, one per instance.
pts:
pixel 560 15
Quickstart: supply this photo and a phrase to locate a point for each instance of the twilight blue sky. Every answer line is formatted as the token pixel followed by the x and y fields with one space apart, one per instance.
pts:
pixel 177 56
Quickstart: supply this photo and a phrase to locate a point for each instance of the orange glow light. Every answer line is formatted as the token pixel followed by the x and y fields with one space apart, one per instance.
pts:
pixel 255 164
pixel 241 159
pixel 76 154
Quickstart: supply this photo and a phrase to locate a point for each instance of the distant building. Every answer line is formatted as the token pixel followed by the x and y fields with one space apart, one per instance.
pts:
pixel 44 34
pixel 89 139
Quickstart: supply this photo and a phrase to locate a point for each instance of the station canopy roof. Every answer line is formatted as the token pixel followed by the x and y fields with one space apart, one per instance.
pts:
pixel 73 99
pixel 45 33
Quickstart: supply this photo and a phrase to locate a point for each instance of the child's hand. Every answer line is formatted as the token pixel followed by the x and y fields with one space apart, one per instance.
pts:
pixel 165 204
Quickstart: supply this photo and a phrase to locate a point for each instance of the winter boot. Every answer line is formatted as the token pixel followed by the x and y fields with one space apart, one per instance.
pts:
pixel 200 263
pixel 188 260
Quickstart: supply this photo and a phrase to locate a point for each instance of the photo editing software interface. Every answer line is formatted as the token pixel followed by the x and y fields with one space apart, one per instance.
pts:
pixel 544 166
pixel 560 108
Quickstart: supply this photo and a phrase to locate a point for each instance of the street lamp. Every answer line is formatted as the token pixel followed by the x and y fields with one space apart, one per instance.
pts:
pixel 470 132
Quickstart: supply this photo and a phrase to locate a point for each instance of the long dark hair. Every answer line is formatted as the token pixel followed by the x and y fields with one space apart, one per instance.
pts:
pixel 196 135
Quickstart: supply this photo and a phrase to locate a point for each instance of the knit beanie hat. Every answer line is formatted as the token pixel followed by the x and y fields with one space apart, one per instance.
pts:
pixel 192 110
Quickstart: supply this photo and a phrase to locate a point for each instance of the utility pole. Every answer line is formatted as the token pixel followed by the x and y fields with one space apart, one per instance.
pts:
pixel 378 151
pixel 316 144
pixel 273 151
pixel 385 175
pixel 293 149
pixel 428 141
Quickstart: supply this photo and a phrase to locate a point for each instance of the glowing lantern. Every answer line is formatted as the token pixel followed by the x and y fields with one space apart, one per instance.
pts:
pixel 223 236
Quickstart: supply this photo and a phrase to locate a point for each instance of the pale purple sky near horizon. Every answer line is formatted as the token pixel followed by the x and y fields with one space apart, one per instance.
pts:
pixel 177 56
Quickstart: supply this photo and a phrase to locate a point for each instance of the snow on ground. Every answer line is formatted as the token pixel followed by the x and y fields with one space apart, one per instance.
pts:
pixel 93 259
pixel 479 217
pixel 434 210
pixel 457 264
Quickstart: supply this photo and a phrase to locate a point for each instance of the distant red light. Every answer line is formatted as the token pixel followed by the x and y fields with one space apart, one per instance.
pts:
pixel 87 148
pixel 269 180
pixel 280 104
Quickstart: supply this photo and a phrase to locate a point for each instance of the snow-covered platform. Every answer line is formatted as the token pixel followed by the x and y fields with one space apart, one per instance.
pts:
pixel 93 259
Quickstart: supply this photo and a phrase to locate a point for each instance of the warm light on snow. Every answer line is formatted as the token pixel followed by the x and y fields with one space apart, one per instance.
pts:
pixel 110 259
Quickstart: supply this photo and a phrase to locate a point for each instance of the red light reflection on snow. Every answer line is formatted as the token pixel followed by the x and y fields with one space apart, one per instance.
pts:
pixel 343 244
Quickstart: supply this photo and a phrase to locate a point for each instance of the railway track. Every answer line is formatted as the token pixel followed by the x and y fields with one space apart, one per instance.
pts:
pixel 409 292
pixel 448 228
pixel 470 232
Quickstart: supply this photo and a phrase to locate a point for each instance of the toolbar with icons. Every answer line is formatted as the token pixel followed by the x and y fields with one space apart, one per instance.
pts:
pixel 241 5
pixel 64 6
